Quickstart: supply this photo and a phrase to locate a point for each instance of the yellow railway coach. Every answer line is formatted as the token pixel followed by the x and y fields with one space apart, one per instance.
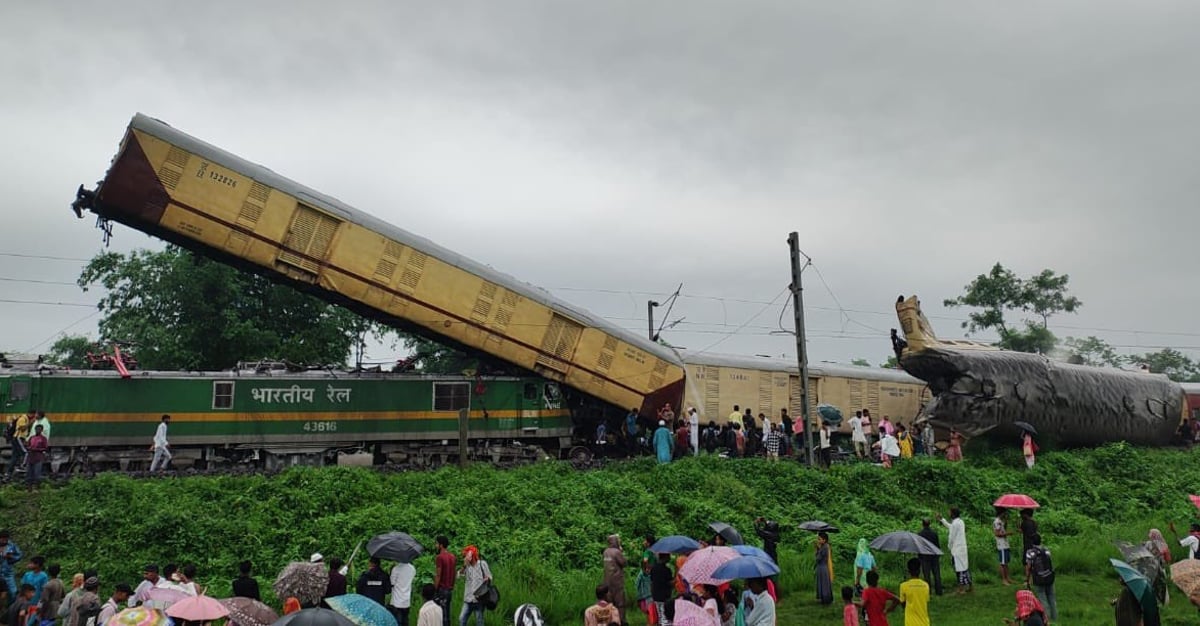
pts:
pixel 717 382
pixel 174 186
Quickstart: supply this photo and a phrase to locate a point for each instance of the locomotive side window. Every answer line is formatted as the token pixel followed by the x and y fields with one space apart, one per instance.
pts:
pixel 531 391
pixel 222 394
pixel 451 396
pixel 20 390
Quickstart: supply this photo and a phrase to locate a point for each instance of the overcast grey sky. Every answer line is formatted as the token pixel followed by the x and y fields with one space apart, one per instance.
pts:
pixel 611 150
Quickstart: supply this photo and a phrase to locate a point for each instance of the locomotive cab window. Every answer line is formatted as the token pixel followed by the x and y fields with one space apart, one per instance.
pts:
pixel 531 391
pixel 451 396
pixel 20 391
pixel 222 394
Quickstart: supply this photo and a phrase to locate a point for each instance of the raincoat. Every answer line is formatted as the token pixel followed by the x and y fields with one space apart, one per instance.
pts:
pixel 663 443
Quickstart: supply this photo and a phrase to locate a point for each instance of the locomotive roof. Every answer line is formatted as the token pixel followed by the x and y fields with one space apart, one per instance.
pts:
pixel 249 375
pixel 339 209
pixel 791 367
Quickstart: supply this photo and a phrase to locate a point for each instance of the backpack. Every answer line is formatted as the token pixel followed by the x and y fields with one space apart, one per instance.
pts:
pixel 1041 567
pixel 89 614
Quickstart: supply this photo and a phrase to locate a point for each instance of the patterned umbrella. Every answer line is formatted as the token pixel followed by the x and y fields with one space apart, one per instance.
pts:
pixel 138 616
pixel 314 617
pixel 361 610
pixel 690 614
pixel 249 612
pixel 700 565
pixel 1186 575
pixel 198 609
pixel 306 581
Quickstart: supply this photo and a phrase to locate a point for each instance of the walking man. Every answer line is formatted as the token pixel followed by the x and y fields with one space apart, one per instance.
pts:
pixel 162 449
pixel 1039 575
pixel 614 574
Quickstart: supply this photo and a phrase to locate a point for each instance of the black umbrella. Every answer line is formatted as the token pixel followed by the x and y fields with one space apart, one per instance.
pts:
pixel 1026 426
pixel 395 546
pixel 731 535
pixel 906 542
pixel 817 526
pixel 314 617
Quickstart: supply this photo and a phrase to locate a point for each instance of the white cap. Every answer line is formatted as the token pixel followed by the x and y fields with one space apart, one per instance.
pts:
pixel 661 423
pixel 316 558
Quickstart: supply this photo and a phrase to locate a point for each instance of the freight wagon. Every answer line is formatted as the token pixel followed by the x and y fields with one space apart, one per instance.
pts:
pixel 101 420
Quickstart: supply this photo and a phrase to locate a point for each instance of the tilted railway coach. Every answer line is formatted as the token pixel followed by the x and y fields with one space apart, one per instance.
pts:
pixel 181 189
pixel 103 420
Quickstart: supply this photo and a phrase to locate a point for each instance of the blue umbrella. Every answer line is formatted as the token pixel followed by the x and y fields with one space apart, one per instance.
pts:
pixel 746 567
pixel 675 544
pixel 361 610
pixel 751 551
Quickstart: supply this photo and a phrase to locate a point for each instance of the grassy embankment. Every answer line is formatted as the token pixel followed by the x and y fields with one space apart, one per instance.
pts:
pixel 542 527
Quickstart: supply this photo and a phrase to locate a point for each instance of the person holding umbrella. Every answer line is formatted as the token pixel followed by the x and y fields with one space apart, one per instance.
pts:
pixel 823 569
pixel 1029 449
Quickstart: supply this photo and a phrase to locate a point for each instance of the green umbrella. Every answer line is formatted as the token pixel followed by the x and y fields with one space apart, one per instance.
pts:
pixel 1138 584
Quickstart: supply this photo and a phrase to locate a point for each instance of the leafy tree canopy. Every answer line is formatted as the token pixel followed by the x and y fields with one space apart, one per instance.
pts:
pixel 1092 351
pixel 861 362
pixel 71 351
pixel 183 311
pixel 1000 292
pixel 1176 365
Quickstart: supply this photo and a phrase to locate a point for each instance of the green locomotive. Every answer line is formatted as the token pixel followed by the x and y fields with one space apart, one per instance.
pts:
pixel 271 418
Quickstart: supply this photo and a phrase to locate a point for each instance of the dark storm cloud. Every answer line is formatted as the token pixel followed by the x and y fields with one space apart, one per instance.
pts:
pixel 629 147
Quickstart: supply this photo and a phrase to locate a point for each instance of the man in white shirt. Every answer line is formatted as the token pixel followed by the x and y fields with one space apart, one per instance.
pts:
pixel 957 542
pixel 763 613
pixel 857 435
pixel 826 444
pixel 44 422
pixel 162 449
pixel 694 421
pixel 402 578
pixel 1191 541
pixel 113 606
pixel 431 612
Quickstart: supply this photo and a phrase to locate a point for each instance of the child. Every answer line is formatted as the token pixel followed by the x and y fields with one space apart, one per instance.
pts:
pixel 849 609
pixel 914 595
pixel 877 602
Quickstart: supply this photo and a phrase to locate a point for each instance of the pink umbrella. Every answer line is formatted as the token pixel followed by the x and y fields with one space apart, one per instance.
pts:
pixel 1016 501
pixel 198 609
pixel 163 597
pixel 1195 500
pixel 690 614
pixel 698 568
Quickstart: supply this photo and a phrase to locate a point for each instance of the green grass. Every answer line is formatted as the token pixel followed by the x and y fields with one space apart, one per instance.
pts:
pixel 542 527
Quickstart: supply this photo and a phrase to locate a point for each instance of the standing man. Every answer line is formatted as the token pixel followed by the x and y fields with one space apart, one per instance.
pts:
pixel 914 596
pixel 957 542
pixel 1029 528
pixel 162 449
pixel 431 612
pixel 614 575
pixel 931 564
pixel 402 580
pixel 631 430
pixel 866 426
pixel 443 578
pixel 1000 530
pixel 35 456
pixel 52 593
pixel 763 611
pixel 11 554
pixel 602 613
pixel 35 577
pixel 150 580
pixel 19 429
pixel 826 445
pixel 735 417
pixel 44 422
pixel 694 419
pixel 244 585
pixel 374 583
pixel 857 436
pixel 113 606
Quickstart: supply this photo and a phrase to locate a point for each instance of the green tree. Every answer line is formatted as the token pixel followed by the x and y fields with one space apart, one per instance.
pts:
pixel 1176 365
pixel 1000 292
pixel 433 358
pixel 71 351
pixel 1092 351
pixel 861 362
pixel 185 312
pixel 891 363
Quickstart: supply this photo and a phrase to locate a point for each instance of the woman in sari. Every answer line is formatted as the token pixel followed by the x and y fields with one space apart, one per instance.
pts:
pixel 823 568
pixel 1029 449
pixel 954 450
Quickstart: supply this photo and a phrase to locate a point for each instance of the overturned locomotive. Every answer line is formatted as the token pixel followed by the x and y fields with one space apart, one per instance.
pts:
pixel 979 388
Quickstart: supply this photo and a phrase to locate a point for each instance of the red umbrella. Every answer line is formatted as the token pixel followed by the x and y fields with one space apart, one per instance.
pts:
pixel 1195 500
pixel 1016 501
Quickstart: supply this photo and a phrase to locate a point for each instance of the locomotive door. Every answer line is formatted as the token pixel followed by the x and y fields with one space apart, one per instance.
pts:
pixel 531 407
